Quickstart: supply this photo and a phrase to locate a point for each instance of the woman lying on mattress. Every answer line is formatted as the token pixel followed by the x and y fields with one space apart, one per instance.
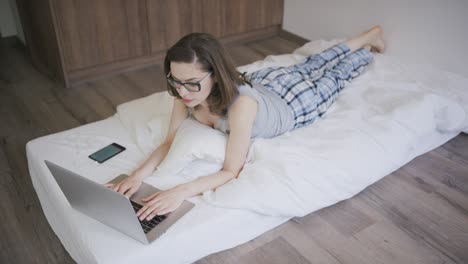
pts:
pixel 266 103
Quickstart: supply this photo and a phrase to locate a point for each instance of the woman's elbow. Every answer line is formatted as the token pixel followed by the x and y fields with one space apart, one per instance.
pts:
pixel 232 174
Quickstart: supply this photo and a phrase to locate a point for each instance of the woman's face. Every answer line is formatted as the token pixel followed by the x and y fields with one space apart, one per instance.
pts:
pixel 191 72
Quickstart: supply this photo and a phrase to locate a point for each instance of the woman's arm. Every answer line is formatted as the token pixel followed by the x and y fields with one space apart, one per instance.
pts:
pixel 131 184
pixel 241 118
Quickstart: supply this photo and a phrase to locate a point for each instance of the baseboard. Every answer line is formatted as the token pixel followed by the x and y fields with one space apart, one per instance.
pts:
pixel 11 40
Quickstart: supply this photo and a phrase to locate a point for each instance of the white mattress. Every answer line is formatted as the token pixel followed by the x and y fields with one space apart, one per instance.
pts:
pixel 204 230
pixel 224 219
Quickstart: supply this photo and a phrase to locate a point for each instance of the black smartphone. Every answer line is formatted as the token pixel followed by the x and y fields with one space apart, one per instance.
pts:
pixel 107 152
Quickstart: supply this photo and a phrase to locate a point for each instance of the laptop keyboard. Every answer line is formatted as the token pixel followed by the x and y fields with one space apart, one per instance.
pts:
pixel 148 225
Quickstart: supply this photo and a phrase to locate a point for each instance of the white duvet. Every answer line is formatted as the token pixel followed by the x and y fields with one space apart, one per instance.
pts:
pixel 382 120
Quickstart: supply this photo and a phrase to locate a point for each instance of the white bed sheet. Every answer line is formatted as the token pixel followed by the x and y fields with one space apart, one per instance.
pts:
pixel 207 229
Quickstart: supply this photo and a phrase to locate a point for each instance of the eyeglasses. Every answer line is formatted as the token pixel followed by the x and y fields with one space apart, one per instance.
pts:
pixel 190 86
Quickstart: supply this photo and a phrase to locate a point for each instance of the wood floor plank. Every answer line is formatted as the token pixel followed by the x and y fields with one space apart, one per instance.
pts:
pixel 458 146
pixel 277 251
pixel 5 170
pixel 116 90
pixel 232 255
pixel 12 117
pixel 272 46
pixel 44 114
pixel 39 238
pixel 457 200
pixel 306 246
pixel 96 102
pixel 458 154
pixel 391 245
pixel 242 55
pixel 148 81
pixel 343 249
pixel 345 218
pixel 73 101
pixel 423 217
pixel 17 243
pixel 442 169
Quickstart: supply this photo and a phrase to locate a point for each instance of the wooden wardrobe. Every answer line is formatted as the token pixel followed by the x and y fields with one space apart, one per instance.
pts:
pixel 75 41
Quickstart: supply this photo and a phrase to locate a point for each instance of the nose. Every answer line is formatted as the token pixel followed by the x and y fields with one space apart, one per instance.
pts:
pixel 182 91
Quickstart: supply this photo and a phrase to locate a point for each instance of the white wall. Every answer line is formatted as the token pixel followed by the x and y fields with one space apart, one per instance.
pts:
pixel 7 22
pixel 10 24
pixel 422 31
pixel 19 27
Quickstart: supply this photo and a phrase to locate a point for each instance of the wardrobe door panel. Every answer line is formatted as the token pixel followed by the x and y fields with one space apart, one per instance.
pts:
pixel 96 32
pixel 241 16
pixel 169 20
pixel 212 19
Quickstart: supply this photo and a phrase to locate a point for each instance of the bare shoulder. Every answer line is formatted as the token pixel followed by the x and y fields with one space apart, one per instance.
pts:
pixel 244 103
pixel 244 108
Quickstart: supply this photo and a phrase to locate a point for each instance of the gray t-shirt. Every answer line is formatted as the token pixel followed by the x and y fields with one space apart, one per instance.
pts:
pixel 274 116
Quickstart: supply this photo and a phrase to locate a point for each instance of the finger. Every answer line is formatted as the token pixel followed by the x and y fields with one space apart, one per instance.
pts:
pixel 152 215
pixel 109 185
pixel 159 207
pixel 144 208
pixel 131 191
pixel 153 199
pixel 117 186
pixel 150 210
pixel 149 197
pixel 155 212
pixel 168 210
pixel 164 211
pixel 123 188
pixel 141 212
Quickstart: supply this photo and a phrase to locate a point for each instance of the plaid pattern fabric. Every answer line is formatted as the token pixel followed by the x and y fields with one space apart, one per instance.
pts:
pixel 310 87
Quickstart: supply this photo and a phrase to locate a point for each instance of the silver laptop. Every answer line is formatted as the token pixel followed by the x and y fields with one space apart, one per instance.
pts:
pixel 112 208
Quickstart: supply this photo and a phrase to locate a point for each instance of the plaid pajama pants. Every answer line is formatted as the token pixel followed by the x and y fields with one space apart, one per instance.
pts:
pixel 310 87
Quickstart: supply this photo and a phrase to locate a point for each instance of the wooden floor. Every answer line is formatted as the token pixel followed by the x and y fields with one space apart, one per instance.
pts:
pixel 419 214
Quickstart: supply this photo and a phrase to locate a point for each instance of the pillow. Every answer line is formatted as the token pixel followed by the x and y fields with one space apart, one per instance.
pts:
pixel 138 115
pixel 158 127
pixel 193 141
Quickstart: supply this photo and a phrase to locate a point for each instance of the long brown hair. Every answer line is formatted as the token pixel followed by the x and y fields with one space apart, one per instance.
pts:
pixel 207 51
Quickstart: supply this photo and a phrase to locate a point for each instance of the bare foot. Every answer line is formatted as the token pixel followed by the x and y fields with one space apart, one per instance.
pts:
pixel 377 43
pixel 371 38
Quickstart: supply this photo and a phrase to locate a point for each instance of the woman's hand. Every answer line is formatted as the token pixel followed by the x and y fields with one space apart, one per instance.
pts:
pixel 161 203
pixel 128 186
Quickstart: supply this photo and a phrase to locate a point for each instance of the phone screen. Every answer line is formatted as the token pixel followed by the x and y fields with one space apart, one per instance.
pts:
pixel 106 152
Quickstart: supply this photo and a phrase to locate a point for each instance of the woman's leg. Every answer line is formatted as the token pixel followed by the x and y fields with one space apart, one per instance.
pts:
pixel 371 39
pixel 353 65
pixel 311 68
pixel 311 99
pixel 314 65
pixel 334 80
